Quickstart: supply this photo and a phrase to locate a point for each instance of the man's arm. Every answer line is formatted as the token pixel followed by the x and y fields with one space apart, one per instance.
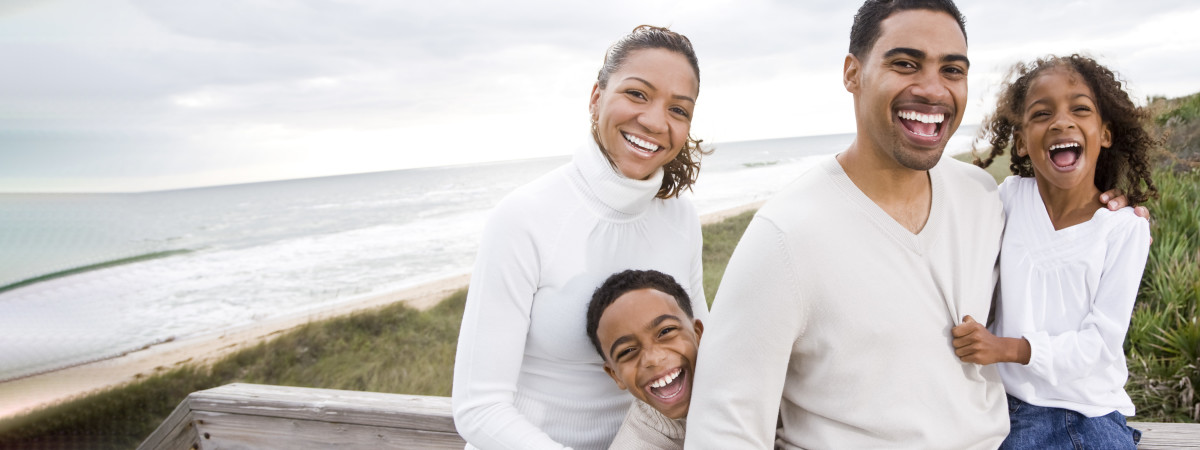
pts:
pixel 747 345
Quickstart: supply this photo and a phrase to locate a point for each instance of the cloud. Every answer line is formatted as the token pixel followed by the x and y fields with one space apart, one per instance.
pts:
pixel 152 94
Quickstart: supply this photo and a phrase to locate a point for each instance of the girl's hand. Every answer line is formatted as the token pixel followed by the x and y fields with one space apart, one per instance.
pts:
pixel 973 343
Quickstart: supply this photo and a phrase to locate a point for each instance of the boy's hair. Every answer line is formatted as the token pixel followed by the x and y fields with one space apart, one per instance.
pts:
pixel 1125 164
pixel 865 30
pixel 631 280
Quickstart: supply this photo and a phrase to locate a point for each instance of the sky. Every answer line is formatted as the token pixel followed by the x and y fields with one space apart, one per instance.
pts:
pixel 140 95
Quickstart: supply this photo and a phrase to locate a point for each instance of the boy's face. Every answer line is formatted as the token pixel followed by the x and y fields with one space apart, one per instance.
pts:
pixel 649 347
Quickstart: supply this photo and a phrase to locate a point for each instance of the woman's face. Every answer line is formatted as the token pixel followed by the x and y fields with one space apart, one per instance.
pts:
pixel 644 115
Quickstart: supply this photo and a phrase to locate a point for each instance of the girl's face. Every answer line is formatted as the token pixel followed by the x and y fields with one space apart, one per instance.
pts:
pixel 644 115
pixel 1062 131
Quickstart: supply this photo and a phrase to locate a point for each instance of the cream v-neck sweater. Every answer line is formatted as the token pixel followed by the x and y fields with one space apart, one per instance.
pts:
pixel 526 376
pixel 1070 293
pixel 834 316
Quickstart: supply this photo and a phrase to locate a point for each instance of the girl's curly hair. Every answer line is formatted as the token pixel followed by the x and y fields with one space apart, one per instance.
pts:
pixel 680 173
pixel 1125 164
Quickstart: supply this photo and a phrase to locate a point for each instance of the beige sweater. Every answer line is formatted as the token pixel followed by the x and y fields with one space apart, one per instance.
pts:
pixel 837 319
pixel 645 428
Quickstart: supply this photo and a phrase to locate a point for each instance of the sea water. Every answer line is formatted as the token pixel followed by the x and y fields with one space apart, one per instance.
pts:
pixel 85 277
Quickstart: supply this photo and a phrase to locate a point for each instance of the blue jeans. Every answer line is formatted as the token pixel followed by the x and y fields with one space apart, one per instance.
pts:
pixel 1037 427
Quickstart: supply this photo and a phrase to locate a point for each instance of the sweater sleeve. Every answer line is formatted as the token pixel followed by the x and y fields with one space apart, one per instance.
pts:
pixel 746 348
pixel 699 299
pixel 491 343
pixel 1069 356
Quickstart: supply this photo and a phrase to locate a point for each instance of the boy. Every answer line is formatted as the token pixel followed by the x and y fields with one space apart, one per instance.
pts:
pixel 641 323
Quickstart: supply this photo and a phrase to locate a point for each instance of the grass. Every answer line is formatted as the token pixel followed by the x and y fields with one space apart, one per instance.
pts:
pixel 393 349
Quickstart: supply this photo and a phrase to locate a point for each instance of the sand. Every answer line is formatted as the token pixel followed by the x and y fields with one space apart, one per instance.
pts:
pixel 27 394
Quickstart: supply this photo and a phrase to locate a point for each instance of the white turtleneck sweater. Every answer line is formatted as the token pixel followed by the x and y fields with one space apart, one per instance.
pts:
pixel 526 376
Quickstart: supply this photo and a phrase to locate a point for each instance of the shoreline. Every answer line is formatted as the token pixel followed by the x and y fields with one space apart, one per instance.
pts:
pixel 27 394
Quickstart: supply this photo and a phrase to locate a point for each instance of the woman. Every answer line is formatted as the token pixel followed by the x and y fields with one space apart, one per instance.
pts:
pixel 525 373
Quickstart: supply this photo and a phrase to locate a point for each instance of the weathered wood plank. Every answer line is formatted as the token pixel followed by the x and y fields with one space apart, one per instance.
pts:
pixel 250 416
pixel 236 431
pixel 1168 436
pixel 329 405
pixel 175 432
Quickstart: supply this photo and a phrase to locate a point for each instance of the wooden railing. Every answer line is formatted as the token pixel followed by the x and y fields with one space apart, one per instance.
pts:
pixel 253 416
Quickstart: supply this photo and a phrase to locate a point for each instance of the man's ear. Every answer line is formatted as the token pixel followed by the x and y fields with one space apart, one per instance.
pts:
pixel 699 327
pixel 850 73
pixel 1106 136
pixel 613 374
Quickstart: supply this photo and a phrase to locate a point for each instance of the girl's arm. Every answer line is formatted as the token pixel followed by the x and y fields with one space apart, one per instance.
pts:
pixel 491 344
pixel 1098 342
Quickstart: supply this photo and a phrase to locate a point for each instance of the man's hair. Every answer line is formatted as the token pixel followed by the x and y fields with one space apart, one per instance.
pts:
pixel 865 30
pixel 631 280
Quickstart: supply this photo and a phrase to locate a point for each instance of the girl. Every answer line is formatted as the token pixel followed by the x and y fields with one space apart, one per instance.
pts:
pixel 526 375
pixel 1070 268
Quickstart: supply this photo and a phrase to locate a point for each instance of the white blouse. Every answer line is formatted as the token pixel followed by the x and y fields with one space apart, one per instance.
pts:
pixel 1070 293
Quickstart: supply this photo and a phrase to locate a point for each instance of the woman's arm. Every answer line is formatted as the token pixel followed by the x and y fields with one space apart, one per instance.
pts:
pixel 491 343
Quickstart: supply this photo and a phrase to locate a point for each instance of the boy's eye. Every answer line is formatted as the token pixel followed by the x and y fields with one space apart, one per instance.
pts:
pixel 625 352
pixel 905 64
pixel 667 330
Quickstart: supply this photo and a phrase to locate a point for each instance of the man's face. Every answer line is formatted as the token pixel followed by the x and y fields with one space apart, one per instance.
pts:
pixel 911 88
pixel 649 347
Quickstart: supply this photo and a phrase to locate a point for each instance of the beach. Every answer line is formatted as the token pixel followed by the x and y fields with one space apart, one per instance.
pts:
pixel 26 394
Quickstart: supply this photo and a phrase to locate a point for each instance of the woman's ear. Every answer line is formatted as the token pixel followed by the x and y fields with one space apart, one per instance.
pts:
pixel 593 100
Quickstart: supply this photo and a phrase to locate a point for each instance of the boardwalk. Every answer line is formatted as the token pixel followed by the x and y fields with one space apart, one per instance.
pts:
pixel 263 416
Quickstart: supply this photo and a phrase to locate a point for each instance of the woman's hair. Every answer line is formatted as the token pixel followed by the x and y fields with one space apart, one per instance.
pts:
pixel 1124 164
pixel 681 172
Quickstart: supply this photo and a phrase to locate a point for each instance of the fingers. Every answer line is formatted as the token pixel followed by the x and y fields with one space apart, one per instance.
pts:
pixel 1114 199
pixel 1142 211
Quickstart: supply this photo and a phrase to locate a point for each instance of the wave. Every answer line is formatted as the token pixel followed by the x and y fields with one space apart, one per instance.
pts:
pixel 91 267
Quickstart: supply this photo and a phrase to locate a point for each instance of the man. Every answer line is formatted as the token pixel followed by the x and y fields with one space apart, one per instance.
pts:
pixel 835 311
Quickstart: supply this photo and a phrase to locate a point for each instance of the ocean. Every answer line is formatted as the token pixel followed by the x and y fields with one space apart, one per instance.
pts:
pixel 85 277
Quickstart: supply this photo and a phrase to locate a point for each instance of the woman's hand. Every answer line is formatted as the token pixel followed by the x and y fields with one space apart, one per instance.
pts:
pixel 1115 199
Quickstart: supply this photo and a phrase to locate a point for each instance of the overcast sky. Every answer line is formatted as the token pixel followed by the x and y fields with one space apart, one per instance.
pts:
pixel 135 95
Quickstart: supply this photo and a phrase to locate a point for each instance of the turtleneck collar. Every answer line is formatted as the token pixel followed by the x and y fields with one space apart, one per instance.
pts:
pixel 623 197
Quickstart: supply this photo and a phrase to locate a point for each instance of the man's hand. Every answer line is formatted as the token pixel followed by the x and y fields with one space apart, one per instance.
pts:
pixel 1115 199
pixel 973 343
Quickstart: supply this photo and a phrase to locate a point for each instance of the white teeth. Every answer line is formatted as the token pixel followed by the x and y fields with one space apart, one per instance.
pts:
pixel 667 379
pixel 1064 145
pixel 641 143
pixel 923 118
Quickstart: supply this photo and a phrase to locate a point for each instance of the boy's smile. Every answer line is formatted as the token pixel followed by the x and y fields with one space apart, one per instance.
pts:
pixel 649 347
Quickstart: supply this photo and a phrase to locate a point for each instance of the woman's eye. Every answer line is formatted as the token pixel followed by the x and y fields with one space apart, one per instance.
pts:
pixel 636 94
pixel 680 111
